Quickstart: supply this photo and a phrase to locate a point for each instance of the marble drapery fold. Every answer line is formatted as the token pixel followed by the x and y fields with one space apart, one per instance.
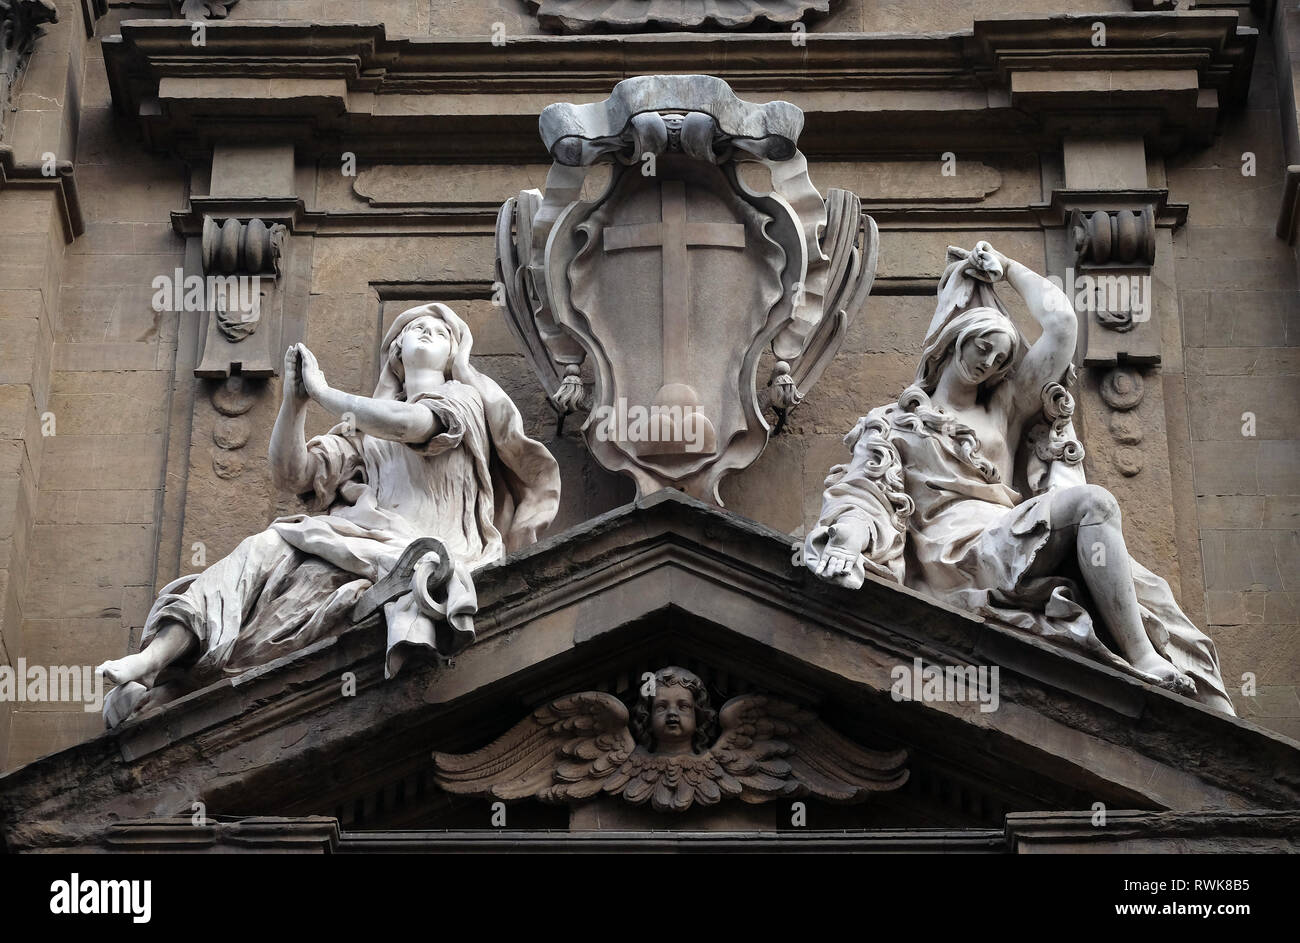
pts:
pixel 940 518
pixel 480 486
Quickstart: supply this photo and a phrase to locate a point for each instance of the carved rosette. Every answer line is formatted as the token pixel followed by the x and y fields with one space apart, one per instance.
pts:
pixel 1122 389
pixel 231 430
pixel 622 16
pixel 672 282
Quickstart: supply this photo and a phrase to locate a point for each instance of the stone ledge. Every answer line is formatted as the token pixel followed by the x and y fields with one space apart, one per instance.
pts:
pixel 63 183
pixel 580 604
pixel 464 99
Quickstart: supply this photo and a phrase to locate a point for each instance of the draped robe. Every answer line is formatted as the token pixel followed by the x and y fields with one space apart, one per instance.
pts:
pixel 296 582
pixel 944 526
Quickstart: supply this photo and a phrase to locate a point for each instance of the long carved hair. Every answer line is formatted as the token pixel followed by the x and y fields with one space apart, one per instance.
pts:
pixel 939 351
pixel 706 718
pixel 942 347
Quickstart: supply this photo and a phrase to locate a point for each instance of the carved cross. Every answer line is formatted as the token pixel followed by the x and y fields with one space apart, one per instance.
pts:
pixel 674 233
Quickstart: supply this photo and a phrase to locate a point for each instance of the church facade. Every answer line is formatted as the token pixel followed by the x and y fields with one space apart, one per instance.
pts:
pixel 744 211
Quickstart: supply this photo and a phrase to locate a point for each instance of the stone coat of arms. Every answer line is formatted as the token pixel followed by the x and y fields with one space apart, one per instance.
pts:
pixel 672 282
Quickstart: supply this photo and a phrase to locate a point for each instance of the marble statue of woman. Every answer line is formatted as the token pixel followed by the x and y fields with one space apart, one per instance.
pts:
pixel 970 488
pixel 439 451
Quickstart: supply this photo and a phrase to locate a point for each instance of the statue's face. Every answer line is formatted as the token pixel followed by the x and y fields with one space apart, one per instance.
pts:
pixel 672 718
pixel 426 345
pixel 982 356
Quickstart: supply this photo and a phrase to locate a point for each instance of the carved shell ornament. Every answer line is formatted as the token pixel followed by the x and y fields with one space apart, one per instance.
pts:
pixel 206 9
pixel 576 16
pixel 580 746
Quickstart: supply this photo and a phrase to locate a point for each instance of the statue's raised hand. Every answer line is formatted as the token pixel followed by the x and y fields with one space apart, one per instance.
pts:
pixel 985 262
pixel 313 378
pixel 293 392
pixel 991 263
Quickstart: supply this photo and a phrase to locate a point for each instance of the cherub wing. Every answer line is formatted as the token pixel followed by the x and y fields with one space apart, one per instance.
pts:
pixel 564 750
pixel 851 242
pixel 773 749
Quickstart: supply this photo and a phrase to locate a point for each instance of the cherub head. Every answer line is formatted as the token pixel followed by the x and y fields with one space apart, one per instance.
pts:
pixel 981 345
pixel 676 717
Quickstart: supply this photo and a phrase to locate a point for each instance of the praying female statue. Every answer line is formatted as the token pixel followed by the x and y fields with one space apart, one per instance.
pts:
pixel 438 451
pixel 970 489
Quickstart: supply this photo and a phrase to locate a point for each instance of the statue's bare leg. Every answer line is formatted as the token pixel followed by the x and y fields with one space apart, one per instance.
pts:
pixel 1088 517
pixel 172 642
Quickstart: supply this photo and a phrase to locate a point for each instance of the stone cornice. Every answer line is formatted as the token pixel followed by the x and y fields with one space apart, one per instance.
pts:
pixel 586 602
pixel 63 182
pixel 1018 83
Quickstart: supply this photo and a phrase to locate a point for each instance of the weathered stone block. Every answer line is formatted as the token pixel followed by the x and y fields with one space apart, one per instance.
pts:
pixel 105 554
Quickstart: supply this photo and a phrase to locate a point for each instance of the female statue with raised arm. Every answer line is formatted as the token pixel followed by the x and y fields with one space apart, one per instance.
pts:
pixel 935 493
pixel 438 451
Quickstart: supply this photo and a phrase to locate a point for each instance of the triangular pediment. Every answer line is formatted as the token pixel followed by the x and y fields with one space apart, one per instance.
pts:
pixel 666 580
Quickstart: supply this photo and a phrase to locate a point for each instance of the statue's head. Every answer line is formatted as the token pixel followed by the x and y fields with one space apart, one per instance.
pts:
pixel 676 717
pixel 425 343
pixel 981 346
pixel 426 338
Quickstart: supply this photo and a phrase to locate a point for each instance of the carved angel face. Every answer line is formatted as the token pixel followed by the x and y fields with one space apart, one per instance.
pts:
pixel 672 718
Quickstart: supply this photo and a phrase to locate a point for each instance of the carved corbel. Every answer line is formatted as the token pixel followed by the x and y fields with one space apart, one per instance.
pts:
pixel 20 26
pixel 242 295
pixel 1114 253
pixel 1112 244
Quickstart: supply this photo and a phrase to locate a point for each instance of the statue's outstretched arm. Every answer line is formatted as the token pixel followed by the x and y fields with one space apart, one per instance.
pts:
pixel 384 418
pixel 863 524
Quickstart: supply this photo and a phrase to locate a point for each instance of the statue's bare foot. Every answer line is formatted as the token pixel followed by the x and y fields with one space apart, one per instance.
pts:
pixel 139 667
pixel 121 702
pixel 1160 672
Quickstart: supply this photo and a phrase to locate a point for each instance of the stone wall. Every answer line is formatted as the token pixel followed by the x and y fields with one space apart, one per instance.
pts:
pixel 95 359
pixel 1237 294
pixel 96 516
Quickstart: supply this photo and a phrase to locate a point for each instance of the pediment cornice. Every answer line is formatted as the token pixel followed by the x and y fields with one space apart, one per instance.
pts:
pixel 332 87
pixel 664 574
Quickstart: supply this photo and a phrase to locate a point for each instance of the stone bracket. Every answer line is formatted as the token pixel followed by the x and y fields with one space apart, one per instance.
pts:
pixel 194 10
pixel 63 181
pixel 223 243
pixel 242 296
pixel 1112 243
